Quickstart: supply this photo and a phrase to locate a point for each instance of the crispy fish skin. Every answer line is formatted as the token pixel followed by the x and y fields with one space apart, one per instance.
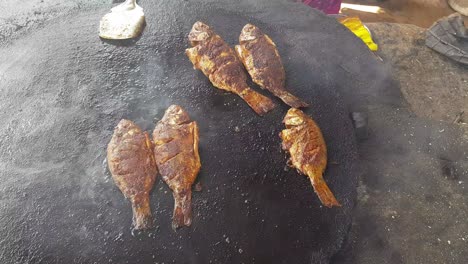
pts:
pixel 263 62
pixel 304 141
pixel 133 167
pixel 218 61
pixel 176 152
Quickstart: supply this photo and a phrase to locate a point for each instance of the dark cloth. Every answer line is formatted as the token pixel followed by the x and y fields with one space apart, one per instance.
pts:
pixel 449 37
pixel 327 6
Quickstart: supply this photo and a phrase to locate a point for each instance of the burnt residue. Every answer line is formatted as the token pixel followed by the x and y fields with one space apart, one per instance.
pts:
pixel 449 170
pixel 64 90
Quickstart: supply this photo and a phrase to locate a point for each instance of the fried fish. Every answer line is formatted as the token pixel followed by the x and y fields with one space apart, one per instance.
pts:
pixel 263 62
pixel 303 140
pixel 132 165
pixel 218 61
pixel 176 151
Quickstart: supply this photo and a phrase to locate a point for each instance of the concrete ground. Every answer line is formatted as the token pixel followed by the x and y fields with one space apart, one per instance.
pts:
pixel 413 197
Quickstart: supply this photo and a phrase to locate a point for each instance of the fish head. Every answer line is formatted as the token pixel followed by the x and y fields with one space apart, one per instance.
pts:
pixel 294 117
pixel 200 32
pixel 126 127
pixel 175 115
pixel 250 32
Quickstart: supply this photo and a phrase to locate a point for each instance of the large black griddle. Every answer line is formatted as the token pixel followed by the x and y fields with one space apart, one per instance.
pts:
pixel 64 90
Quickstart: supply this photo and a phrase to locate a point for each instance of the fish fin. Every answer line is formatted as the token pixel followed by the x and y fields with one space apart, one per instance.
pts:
pixel 259 103
pixel 238 50
pixel 182 209
pixel 324 193
pixel 192 54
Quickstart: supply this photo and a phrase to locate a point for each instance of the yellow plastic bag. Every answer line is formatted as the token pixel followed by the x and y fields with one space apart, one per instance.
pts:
pixel 355 25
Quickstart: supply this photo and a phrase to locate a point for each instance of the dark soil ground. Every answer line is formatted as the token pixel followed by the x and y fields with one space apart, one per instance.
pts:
pixel 413 199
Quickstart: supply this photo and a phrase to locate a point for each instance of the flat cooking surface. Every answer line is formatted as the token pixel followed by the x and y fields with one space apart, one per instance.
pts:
pixel 64 90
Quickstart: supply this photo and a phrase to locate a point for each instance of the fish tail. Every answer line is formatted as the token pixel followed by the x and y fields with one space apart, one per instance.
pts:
pixel 259 103
pixel 291 100
pixel 182 209
pixel 324 193
pixel 142 218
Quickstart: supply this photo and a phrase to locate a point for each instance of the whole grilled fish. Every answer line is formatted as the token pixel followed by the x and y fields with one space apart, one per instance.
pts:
pixel 263 62
pixel 304 141
pixel 176 151
pixel 218 61
pixel 133 168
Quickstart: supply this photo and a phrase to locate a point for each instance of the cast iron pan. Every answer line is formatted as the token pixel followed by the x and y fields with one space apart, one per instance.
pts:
pixel 64 90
